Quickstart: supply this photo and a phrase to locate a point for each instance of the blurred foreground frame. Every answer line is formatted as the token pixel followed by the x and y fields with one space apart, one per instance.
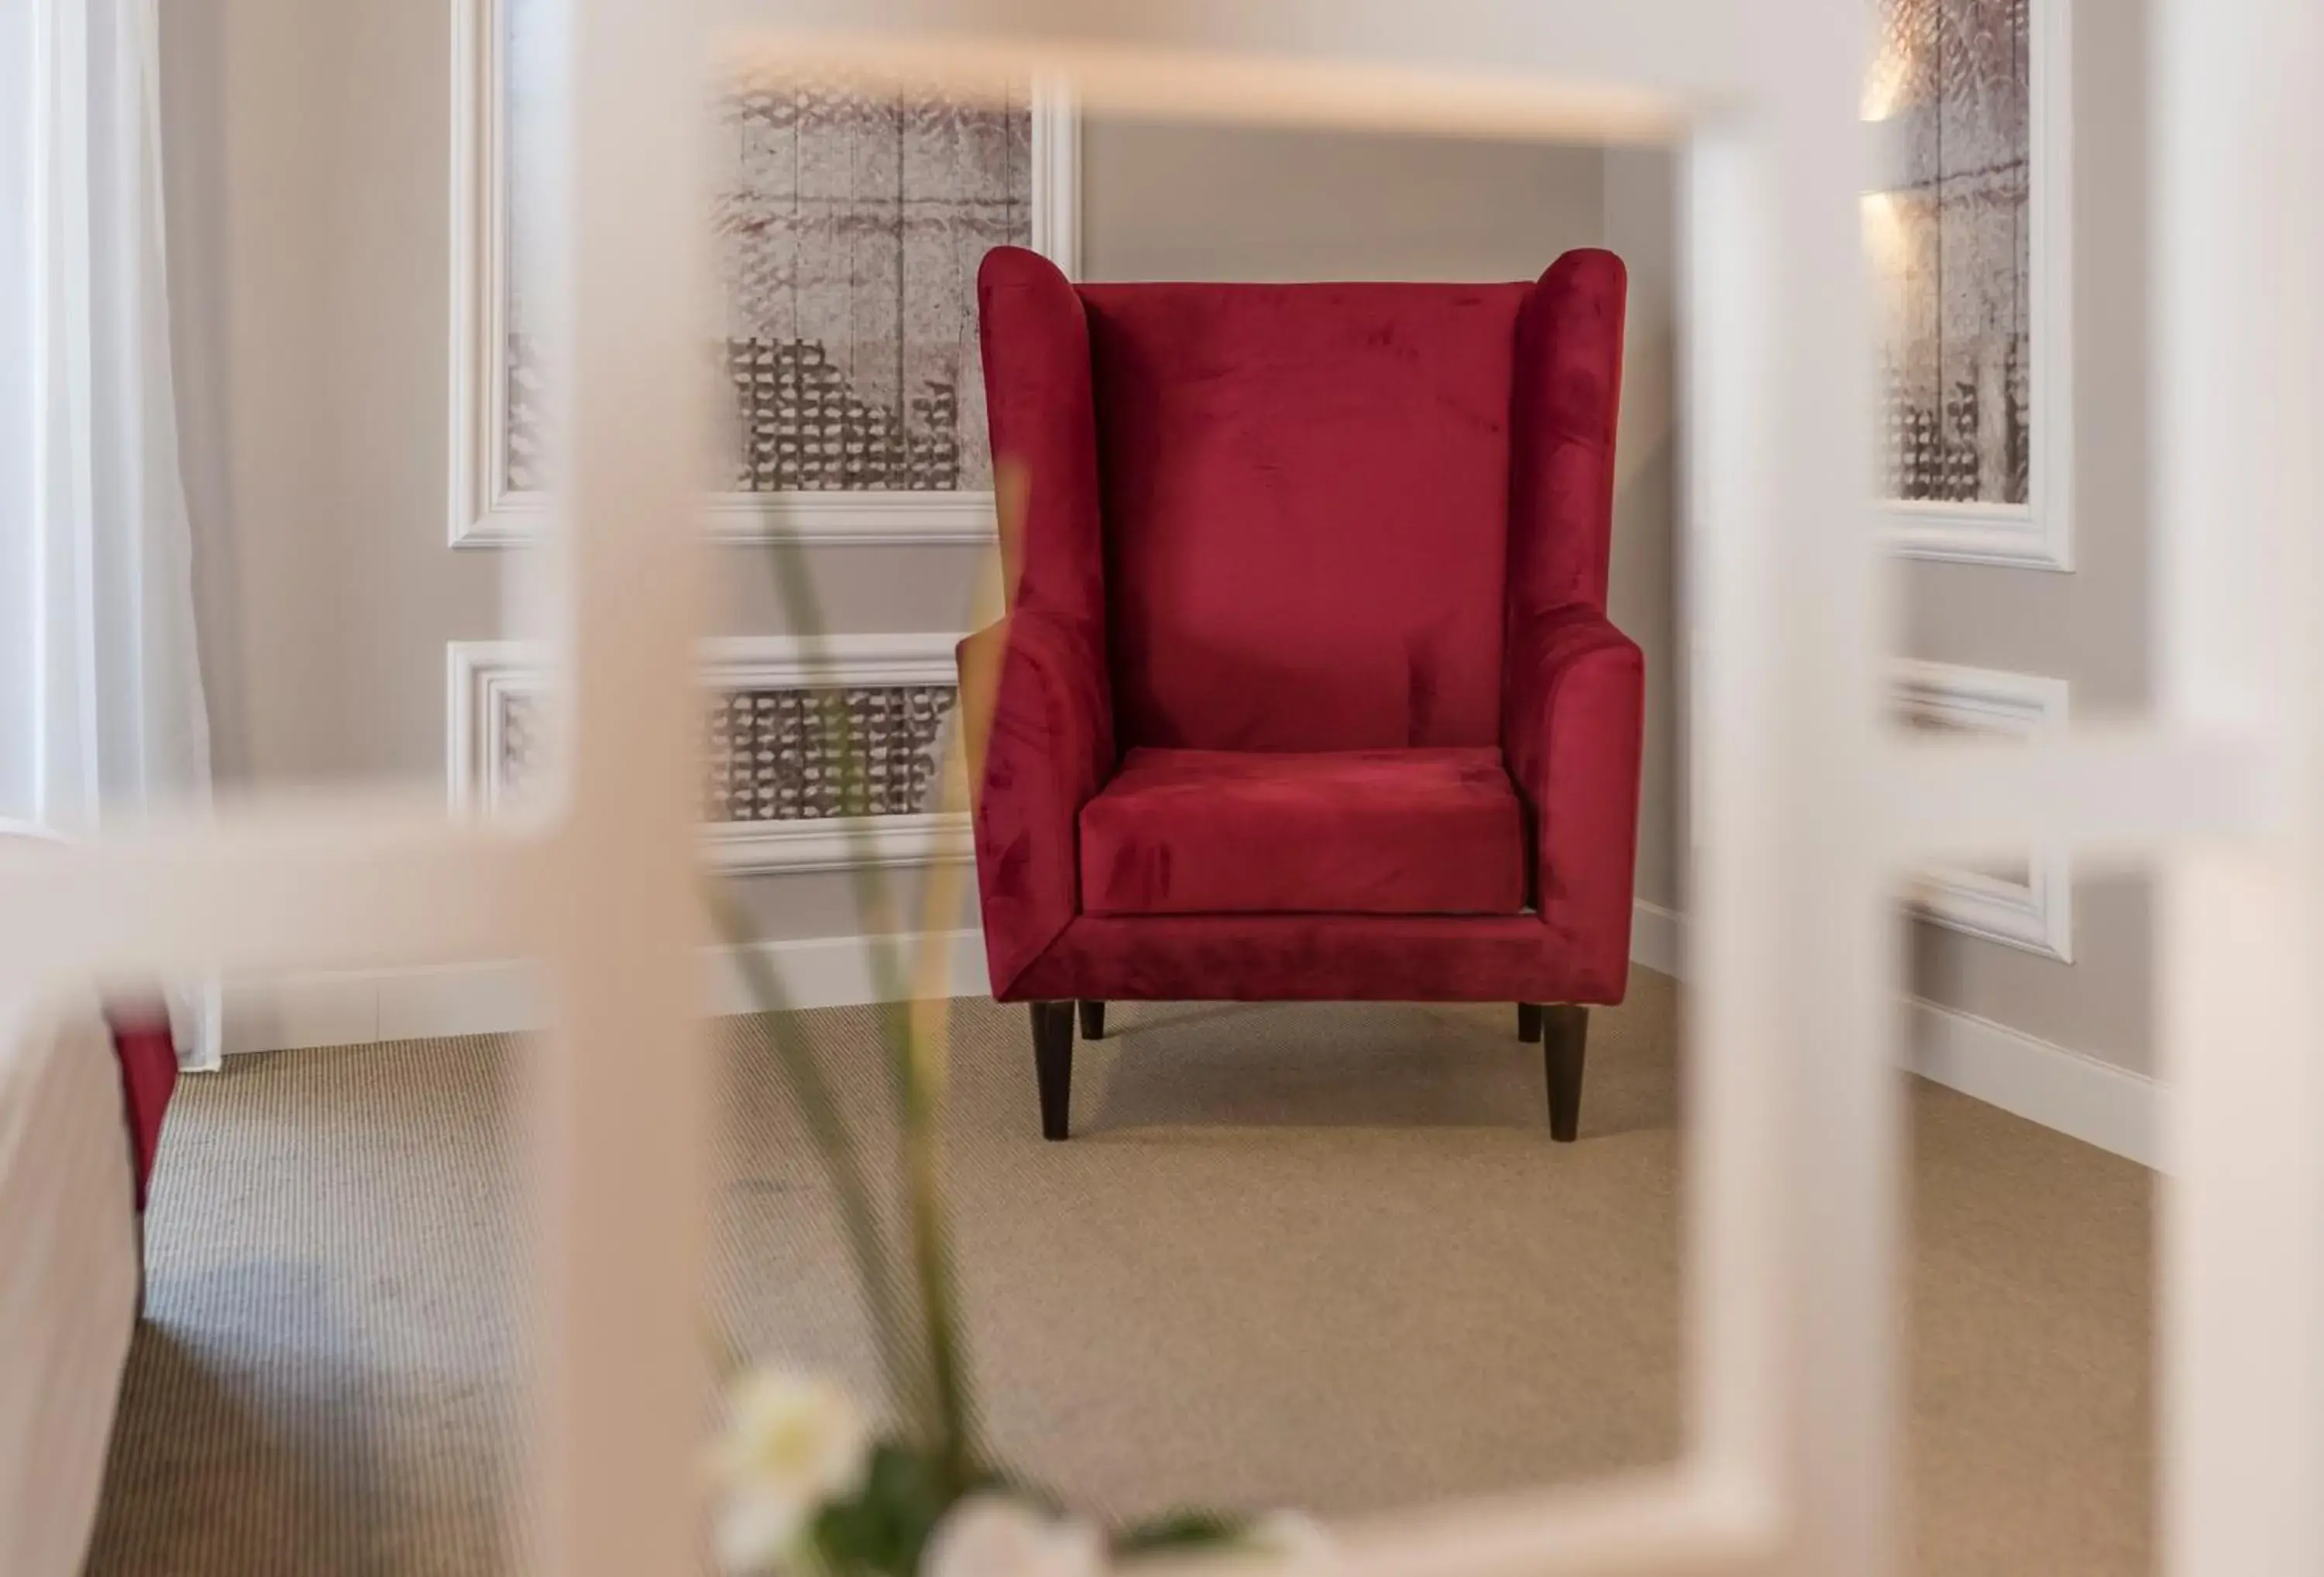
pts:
pixel 1807 815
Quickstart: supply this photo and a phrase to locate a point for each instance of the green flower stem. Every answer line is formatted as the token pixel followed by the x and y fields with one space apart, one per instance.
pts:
pixel 939 1393
pixel 803 609
pixel 842 1166
pixel 932 1257
pixel 941 892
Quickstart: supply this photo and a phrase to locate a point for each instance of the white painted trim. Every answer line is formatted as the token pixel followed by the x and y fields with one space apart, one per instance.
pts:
pixel 1658 938
pixel 841 843
pixel 2035 915
pixel 360 1006
pixel 2095 1102
pixel 2007 536
pixel 474 58
pixel 479 672
pixel 2039 533
pixel 872 517
pixel 2078 1095
pixel 836 972
pixel 910 657
pixel 1056 226
pixel 485 511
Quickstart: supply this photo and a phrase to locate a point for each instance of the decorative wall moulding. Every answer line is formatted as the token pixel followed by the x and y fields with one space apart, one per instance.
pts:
pixel 848 423
pixel 2028 903
pixel 774 798
pixel 1970 233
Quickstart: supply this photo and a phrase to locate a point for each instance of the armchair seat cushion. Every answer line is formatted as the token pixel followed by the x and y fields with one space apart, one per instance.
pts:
pixel 1371 832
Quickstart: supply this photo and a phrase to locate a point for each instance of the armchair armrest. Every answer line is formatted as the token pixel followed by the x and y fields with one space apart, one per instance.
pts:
pixel 1037 705
pixel 1573 721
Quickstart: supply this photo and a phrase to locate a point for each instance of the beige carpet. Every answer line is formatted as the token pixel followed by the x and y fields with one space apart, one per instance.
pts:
pixel 1322 1257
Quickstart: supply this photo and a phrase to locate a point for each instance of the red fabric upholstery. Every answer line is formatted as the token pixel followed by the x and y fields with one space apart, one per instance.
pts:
pixel 1282 522
pixel 1305 497
pixel 1043 670
pixel 1573 730
pixel 1417 831
pixel 1049 745
pixel 1043 419
pixel 1309 958
pixel 1565 398
pixel 149 1076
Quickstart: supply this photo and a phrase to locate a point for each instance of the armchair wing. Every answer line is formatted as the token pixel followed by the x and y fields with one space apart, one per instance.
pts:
pixel 1574 694
pixel 1035 689
pixel 1035 686
pixel 1572 719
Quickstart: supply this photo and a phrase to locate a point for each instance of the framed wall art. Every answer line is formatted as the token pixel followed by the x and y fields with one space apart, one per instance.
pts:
pixel 1967 229
pixel 775 793
pixel 847 223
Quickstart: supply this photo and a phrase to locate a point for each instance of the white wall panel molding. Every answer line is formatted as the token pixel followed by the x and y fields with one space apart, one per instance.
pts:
pixel 2031 909
pixel 493 686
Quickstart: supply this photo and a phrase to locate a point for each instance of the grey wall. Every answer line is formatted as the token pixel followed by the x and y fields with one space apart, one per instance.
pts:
pixel 2091 627
pixel 1641 211
pixel 1212 203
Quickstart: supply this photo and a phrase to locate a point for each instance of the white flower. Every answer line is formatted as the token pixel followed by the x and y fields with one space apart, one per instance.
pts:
pixel 755 1532
pixel 1293 1535
pixel 992 1535
pixel 792 1442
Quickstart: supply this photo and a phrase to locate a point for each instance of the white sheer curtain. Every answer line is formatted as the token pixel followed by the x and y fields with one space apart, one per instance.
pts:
pixel 101 710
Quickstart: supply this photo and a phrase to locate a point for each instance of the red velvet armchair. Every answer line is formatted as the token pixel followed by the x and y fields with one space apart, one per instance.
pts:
pixel 1307 688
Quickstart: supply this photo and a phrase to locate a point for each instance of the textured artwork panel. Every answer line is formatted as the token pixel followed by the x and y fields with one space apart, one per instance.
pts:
pixel 846 227
pixel 784 754
pixel 1950 244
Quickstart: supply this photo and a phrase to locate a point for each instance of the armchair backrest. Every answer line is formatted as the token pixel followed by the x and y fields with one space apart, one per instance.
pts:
pixel 1310 514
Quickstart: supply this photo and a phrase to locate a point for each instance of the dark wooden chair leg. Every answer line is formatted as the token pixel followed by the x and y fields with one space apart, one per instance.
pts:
pixel 1529 1022
pixel 1093 1020
pixel 1566 1032
pixel 1053 1065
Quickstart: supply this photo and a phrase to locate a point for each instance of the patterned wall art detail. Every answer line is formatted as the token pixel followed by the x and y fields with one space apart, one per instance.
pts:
pixel 776 791
pixel 847 223
pixel 2025 902
pixel 1966 104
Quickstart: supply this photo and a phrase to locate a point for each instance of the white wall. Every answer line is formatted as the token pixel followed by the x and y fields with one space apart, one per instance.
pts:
pixel 306 147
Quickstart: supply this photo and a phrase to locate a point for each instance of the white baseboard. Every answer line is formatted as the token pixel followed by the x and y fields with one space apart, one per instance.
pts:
pixel 1658 938
pixel 2080 1096
pixel 2094 1102
pixel 836 972
pixel 492 998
